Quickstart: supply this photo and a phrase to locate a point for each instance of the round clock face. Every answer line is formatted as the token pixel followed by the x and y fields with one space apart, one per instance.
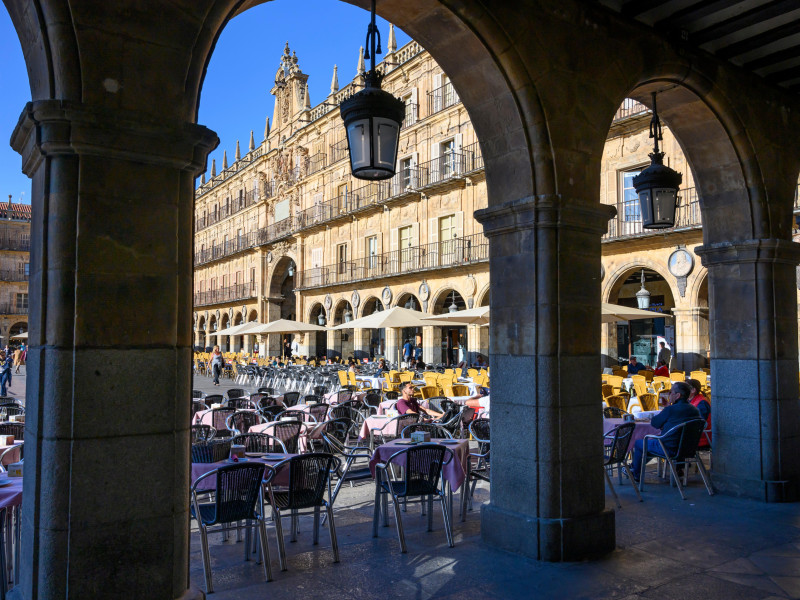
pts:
pixel 680 263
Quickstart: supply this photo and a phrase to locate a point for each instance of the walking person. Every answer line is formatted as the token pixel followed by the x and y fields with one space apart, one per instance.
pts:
pixel 17 359
pixel 6 360
pixel 215 364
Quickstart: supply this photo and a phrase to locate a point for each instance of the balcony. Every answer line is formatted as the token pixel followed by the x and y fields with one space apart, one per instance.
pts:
pixel 13 275
pixel 15 243
pixel 439 255
pixel 412 112
pixel 232 293
pixel 630 108
pixel 451 167
pixel 13 309
pixel 233 206
pixel 628 222
pixel 441 98
pixel 339 151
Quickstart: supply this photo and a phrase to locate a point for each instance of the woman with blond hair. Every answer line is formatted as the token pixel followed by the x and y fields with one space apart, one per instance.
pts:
pixel 216 363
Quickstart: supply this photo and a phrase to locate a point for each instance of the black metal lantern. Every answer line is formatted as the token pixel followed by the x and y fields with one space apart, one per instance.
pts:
pixel 372 120
pixel 321 319
pixel 657 186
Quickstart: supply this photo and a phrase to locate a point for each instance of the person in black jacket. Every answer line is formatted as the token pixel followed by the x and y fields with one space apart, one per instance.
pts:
pixel 679 411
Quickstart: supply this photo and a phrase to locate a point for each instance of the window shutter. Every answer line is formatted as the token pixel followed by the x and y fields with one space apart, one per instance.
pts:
pixel 459 224
pixel 435 168
pixel 433 236
pixel 437 92
pixel 415 234
pixel 394 239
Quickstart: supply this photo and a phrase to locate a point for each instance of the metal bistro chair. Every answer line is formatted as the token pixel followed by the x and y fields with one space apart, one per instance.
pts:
pixel 202 433
pixel 421 468
pixel 259 442
pixel 400 422
pixel 436 431
pixel 214 399
pixel 372 402
pixel 480 430
pixel 242 420
pixel 288 432
pixel 616 454
pixel 14 453
pixel 337 436
pixel 237 499
pixel 219 421
pixel 309 477
pixel 15 429
pixel 612 412
pixel 241 403
pixel 291 398
pixel 690 433
pixel 271 412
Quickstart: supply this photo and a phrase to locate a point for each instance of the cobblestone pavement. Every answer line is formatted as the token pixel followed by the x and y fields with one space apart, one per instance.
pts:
pixel 703 547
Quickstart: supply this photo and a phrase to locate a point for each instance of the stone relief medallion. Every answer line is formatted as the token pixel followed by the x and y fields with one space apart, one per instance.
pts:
pixel 269 257
pixel 602 272
pixel 328 302
pixel 386 296
pixel 424 291
pixel 680 263
pixel 355 299
pixel 230 317
pixel 217 315
pixel 244 314
pixel 470 286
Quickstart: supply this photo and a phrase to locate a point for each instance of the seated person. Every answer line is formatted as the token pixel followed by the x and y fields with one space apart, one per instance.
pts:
pixel 420 366
pixel 479 400
pixel 479 362
pixel 702 404
pixel 382 368
pixel 679 411
pixel 408 404
pixel 661 370
pixel 634 367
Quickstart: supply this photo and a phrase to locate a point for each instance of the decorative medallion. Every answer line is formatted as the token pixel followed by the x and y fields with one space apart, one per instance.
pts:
pixel 269 257
pixel 602 272
pixel 244 314
pixel 230 317
pixel 386 296
pixel 217 315
pixel 680 264
pixel 355 299
pixel 470 286
pixel 328 302
pixel 424 292
pixel 206 315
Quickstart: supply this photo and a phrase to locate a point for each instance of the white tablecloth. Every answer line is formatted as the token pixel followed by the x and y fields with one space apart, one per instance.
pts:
pixel 377 383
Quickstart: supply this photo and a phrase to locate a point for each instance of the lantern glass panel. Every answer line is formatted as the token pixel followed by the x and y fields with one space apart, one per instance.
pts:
pixel 385 137
pixel 664 206
pixel 646 205
pixel 358 141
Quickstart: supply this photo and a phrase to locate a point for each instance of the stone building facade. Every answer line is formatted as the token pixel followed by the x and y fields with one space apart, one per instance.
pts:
pixel 15 248
pixel 285 231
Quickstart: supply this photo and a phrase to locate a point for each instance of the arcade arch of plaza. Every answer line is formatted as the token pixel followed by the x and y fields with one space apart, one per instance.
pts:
pixel 112 125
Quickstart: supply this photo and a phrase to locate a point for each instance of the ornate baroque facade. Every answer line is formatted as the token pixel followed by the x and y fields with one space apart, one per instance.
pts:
pixel 15 249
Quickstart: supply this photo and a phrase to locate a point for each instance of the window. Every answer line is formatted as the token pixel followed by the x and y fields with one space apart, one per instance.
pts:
pixel 343 197
pixel 239 239
pixel 447 154
pixel 411 109
pixel 224 281
pixel 225 243
pixel 253 279
pixel 341 253
pixel 241 198
pixel 316 258
pixel 630 201
pixel 213 283
pixel 22 301
pixel 27 269
pixel 405 173
pixel 372 251
pixel 405 238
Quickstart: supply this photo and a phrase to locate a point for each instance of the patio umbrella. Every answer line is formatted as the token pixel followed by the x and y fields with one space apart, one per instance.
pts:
pixel 21 336
pixel 394 317
pixel 242 329
pixel 286 326
pixel 472 316
pixel 615 312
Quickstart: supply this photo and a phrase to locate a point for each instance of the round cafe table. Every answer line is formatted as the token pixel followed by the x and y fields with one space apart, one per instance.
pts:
pixel 641 429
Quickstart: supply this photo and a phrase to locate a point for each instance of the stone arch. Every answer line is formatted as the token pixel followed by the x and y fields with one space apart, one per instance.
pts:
pixel 279 272
pixel 370 305
pixel 484 296
pixel 338 310
pixel 441 296
pixel 312 314
pixel 403 298
pixel 614 281
pixel 17 327
pixel 697 291
pixel 252 315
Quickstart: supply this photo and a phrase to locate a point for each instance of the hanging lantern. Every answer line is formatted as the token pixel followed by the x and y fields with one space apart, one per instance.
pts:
pixel 372 120
pixel 453 306
pixel 643 296
pixel 291 270
pixel 657 186
pixel 321 319
pixel 348 316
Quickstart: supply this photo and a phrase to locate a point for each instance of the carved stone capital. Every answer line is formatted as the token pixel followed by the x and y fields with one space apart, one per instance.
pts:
pixel 58 127
pixel 749 251
pixel 546 211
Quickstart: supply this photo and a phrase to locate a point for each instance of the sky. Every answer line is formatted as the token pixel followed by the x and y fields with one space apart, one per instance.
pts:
pixel 235 96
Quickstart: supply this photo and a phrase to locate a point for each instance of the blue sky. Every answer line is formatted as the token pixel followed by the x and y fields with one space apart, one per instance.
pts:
pixel 235 97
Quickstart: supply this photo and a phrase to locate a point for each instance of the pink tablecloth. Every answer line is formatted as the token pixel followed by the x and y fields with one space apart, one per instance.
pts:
pixel 11 457
pixel 198 469
pixel 454 472
pixel 642 428
pixel 377 421
pixel 11 493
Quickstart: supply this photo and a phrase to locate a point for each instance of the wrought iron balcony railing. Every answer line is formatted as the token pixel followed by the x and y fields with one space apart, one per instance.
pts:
pixel 438 255
pixel 13 309
pixel 441 98
pixel 231 293
pixel 628 222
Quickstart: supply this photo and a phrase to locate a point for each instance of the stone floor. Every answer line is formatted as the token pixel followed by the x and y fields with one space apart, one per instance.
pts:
pixel 701 548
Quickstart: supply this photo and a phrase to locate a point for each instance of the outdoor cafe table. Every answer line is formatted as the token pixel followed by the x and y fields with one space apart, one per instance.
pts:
pixel 377 383
pixel 641 429
pixel 11 500
pixel 198 469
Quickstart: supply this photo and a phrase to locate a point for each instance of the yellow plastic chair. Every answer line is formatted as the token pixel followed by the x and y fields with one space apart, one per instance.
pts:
pixel 429 391
pixel 472 373
pixel 701 376
pixel 639 384
pixel 460 390
pixel 648 402
pixel 618 401
pixel 343 380
pixel 661 383
pixel 615 381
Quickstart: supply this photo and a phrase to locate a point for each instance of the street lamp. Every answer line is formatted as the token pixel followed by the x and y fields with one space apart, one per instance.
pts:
pixel 657 186
pixel 372 119
pixel 643 296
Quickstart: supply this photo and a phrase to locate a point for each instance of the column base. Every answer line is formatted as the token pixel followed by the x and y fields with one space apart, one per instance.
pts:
pixel 552 540
pixel 193 593
pixel 757 489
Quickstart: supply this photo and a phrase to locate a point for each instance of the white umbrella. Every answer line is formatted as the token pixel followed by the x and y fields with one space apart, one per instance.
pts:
pixel 286 326
pixel 615 312
pixel 238 329
pixel 21 336
pixel 394 317
pixel 472 316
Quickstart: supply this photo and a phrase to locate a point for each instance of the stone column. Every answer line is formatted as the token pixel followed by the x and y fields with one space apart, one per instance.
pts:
pixel 691 338
pixel 430 344
pixel 473 343
pixel 361 339
pixel 392 341
pixel 332 345
pixel 111 313
pixel 754 383
pixel 548 496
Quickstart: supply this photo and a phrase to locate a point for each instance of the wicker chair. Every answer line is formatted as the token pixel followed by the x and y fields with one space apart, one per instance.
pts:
pixel 15 429
pixel 214 399
pixel 219 421
pixel 259 442
pixel 241 403
pixel 271 412
pixel 436 431
pixel 309 478
pixel 418 479
pixel 202 433
pixel 340 441
pixel 612 412
pixel 238 499
pixel 288 432
pixel 291 398
pixel 400 422
pixel 242 420
pixel 479 464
